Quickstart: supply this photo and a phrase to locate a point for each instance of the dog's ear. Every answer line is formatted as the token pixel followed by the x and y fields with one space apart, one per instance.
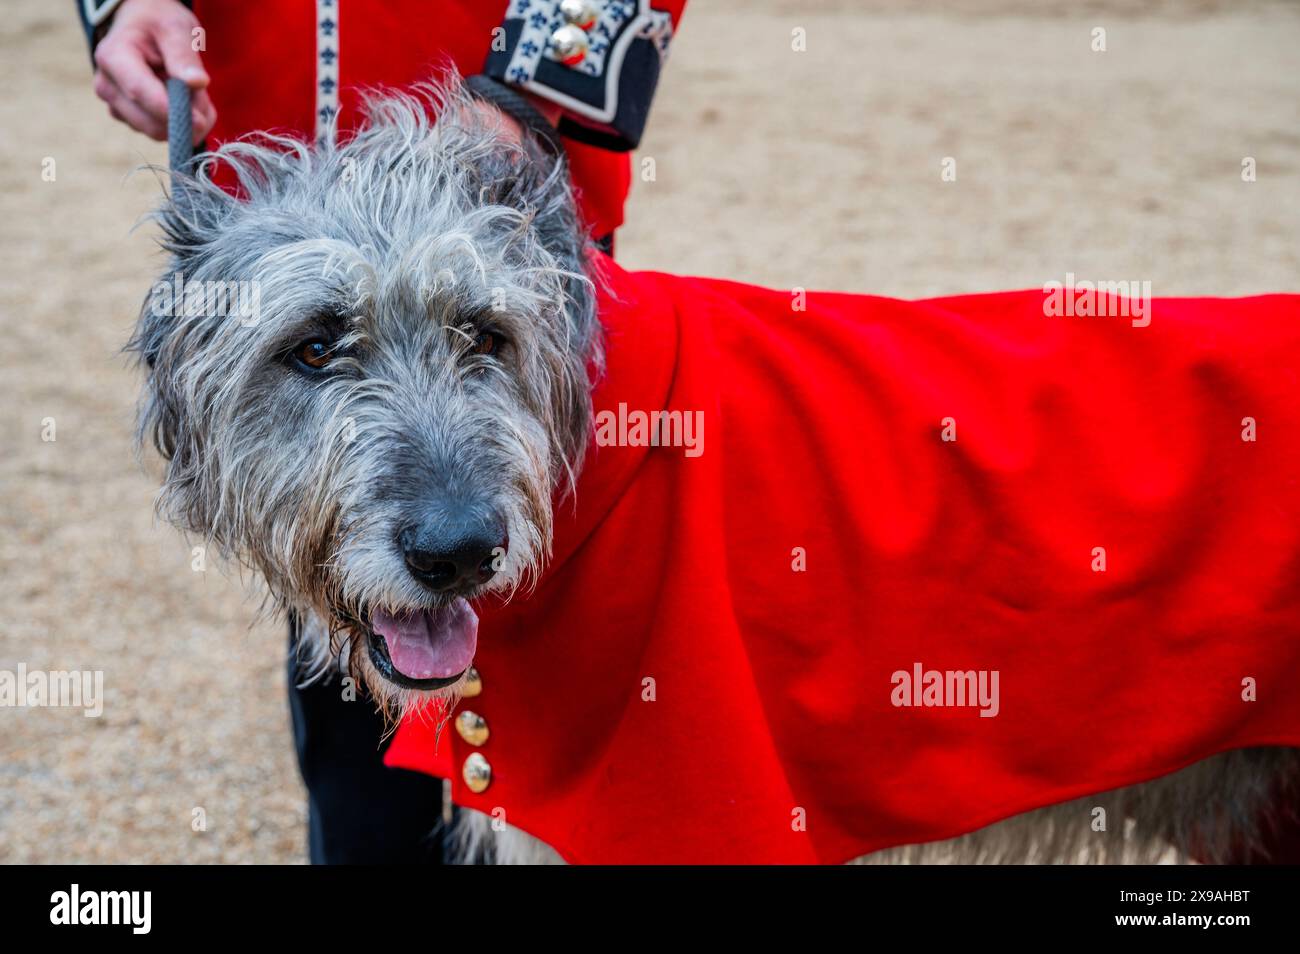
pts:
pixel 566 237
pixel 538 185
pixel 192 215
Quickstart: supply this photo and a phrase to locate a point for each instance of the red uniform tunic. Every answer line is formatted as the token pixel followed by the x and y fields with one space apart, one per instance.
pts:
pixel 774 733
pixel 268 61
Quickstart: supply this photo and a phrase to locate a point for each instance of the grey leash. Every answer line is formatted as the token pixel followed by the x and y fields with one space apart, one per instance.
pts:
pixel 180 126
pixel 180 152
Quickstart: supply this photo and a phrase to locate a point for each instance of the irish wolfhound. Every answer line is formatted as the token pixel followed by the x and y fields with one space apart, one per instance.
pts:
pixel 381 490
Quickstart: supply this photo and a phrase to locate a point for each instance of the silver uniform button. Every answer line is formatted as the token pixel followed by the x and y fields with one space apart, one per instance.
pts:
pixel 570 44
pixel 581 13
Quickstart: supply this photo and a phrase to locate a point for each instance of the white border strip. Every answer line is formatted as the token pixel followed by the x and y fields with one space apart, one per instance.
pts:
pixel 327 102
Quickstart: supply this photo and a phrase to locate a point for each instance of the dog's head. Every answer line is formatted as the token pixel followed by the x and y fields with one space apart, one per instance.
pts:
pixel 368 374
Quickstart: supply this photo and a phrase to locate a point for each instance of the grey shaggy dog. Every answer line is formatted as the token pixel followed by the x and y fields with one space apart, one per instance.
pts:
pixel 382 438
pixel 437 275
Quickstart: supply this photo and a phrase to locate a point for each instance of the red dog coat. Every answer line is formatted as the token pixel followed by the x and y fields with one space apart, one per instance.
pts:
pixel 733 655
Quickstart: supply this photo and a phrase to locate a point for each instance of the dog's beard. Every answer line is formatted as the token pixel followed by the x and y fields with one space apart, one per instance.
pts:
pixel 333 649
pixel 406 646
pixel 330 643
pixel 348 644
pixel 325 542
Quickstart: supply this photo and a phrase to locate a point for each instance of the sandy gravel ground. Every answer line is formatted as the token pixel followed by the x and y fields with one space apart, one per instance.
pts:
pixel 816 169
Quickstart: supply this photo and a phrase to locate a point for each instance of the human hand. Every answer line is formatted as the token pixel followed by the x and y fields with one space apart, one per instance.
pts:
pixel 148 41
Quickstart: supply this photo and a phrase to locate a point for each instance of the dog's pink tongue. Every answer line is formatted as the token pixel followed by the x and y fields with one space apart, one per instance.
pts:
pixel 431 644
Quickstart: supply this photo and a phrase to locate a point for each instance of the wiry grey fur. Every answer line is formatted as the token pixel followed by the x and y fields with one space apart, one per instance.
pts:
pixel 411 238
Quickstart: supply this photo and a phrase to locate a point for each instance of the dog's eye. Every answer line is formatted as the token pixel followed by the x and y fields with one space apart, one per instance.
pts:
pixel 487 343
pixel 315 354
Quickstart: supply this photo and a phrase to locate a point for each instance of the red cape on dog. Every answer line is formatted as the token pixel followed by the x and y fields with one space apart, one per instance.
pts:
pixel 1099 522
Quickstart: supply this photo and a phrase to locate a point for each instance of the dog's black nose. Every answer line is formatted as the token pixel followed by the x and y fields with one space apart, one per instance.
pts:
pixel 447 554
